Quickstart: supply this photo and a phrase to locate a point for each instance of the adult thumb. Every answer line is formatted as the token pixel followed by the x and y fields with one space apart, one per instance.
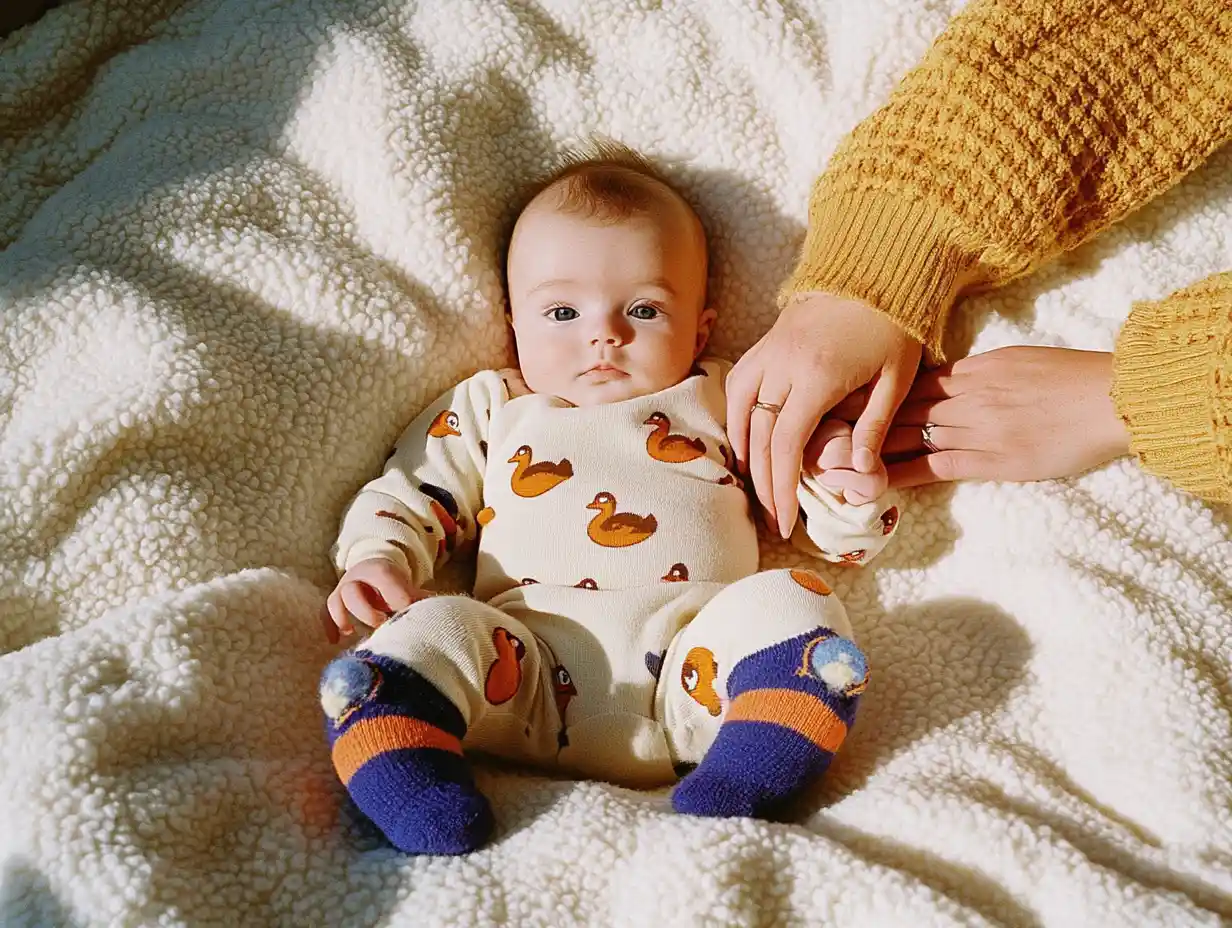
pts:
pixel 871 428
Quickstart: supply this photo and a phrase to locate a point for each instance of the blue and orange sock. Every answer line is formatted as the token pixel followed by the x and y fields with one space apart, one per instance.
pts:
pixel 396 743
pixel 790 707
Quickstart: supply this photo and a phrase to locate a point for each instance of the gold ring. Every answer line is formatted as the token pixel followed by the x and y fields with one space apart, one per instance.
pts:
pixel 773 408
pixel 926 434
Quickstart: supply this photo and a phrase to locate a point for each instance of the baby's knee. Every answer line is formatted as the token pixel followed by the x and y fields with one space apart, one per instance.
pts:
pixel 795 599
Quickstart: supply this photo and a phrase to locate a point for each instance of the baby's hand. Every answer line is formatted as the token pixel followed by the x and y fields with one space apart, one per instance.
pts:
pixel 370 592
pixel 829 456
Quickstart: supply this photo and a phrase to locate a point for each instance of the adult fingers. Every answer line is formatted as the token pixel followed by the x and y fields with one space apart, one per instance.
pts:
pixel 903 439
pixel 942 467
pixel 742 385
pixel 936 384
pixel 870 429
pixel 761 432
pixel 792 429
pixel 850 408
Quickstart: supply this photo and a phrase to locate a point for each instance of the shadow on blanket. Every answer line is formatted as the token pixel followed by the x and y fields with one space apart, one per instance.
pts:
pixel 26 898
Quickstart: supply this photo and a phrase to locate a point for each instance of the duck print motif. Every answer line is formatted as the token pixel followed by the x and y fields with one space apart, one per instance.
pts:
pixel 732 477
pixel 852 558
pixel 505 674
pixel 889 519
pixel 386 514
pixel 531 480
pixel 654 662
pixel 445 508
pixel 668 448
pixel 564 690
pixel 613 529
pixel 444 425
pixel 677 574
pixel 586 583
pixel 485 515
pixel 697 676
pixel 811 582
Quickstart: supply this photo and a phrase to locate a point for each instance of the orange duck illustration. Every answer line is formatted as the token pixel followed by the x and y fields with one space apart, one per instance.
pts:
pixel 445 508
pixel 505 674
pixel 697 676
pixel 586 583
pixel 444 425
pixel 677 574
pixel 810 581
pixel 889 519
pixel 852 558
pixel 530 480
pixel 484 516
pixel 613 529
pixel 671 449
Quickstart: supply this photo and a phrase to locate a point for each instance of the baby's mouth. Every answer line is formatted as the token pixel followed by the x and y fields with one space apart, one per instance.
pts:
pixel 604 368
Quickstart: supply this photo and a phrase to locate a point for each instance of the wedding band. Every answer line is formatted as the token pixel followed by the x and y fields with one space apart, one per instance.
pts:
pixel 926 434
pixel 772 408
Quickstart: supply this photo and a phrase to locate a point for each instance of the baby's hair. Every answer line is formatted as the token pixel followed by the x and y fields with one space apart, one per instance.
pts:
pixel 604 179
pixel 601 178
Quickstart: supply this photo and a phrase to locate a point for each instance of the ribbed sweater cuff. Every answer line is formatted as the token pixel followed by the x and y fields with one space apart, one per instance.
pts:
pixel 1164 389
pixel 901 257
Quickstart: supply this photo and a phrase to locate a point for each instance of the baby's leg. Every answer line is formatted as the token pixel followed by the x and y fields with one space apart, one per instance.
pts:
pixel 768 672
pixel 399 706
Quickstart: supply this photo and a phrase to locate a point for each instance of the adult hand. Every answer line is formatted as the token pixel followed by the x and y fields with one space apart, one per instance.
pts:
pixel 370 592
pixel 820 349
pixel 1014 414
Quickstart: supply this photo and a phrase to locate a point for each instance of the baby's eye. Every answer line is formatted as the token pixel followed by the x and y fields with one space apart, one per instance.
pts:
pixel 644 311
pixel 562 313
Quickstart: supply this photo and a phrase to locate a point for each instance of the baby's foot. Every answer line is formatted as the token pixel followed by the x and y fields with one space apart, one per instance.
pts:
pixel 788 715
pixel 396 745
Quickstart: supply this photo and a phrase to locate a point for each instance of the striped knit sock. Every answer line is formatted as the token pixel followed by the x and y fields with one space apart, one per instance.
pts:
pixel 396 745
pixel 789 709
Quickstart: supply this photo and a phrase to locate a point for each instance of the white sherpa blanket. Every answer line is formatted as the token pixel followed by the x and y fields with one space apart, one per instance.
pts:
pixel 244 241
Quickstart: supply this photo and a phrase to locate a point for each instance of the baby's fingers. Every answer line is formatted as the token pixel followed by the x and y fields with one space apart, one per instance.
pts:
pixel 338 616
pixel 358 600
pixel 856 488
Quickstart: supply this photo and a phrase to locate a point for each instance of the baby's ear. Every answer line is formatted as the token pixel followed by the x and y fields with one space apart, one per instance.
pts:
pixel 705 323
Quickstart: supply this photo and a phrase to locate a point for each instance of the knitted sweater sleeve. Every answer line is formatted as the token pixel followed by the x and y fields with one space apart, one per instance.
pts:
pixel 1173 386
pixel 1029 126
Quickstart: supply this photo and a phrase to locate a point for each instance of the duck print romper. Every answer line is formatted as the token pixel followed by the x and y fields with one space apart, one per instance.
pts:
pixel 616 580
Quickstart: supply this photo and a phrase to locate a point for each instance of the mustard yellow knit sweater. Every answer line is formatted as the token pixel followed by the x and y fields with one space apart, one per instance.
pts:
pixel 1030 126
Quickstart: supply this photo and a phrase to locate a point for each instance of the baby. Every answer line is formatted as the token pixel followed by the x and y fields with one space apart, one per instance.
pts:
pixel 619 627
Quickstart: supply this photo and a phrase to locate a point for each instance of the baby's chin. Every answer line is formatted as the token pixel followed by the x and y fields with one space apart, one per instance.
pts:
pixel 615 390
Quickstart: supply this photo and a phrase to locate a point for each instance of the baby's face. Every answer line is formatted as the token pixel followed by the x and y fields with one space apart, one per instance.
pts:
pixel 603 312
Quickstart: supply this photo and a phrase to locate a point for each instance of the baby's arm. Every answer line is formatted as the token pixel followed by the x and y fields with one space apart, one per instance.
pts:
pixel 845 517
pixel 405 524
